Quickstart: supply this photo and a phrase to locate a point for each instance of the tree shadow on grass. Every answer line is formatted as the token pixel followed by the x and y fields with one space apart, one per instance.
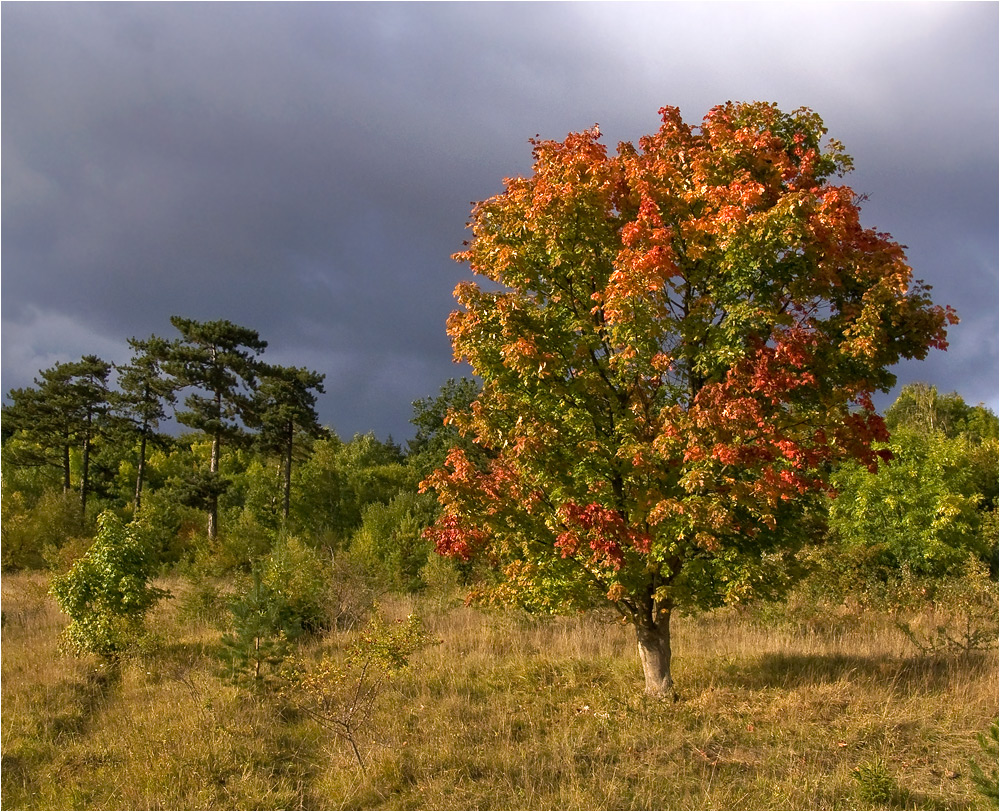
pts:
pixel 75 705
pixel 65 710
pixel 904 674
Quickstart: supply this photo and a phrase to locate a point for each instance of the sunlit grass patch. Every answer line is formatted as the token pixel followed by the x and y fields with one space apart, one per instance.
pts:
pixel 504 711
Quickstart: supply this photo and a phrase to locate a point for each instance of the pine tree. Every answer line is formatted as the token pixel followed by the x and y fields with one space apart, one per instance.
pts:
pixel 286 408
pixel 66 409
pixel 144 391
pixel 218 360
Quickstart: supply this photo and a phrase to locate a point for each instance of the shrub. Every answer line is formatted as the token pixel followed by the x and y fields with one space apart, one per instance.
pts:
pixel 390 541
pixel 342 695
pixel 32 535
pixel 354 591
pixel 954 614
pixel 107 593
pixel 299 581
pixel 167 526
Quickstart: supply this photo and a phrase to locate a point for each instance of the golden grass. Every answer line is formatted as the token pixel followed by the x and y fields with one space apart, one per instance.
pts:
pixel 504 713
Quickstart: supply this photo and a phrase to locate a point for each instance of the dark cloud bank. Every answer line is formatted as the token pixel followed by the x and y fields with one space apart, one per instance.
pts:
pixel 307 169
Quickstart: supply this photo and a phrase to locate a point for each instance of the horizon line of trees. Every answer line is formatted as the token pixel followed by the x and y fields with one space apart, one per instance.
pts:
pixel 255 466
pixel 230 396
pixel 258 464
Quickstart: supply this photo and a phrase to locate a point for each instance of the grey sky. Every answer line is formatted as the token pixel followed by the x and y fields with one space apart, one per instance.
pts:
pixel 306 169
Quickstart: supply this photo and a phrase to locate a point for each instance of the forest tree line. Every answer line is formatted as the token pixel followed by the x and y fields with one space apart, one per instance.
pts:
pixel 255 463
pixel 257 486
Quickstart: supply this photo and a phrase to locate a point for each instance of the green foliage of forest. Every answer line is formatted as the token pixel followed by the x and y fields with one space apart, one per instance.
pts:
pixel 261 481
pixel 278 541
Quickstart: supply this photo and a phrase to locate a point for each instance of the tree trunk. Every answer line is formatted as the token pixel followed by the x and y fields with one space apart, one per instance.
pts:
pixel 213 502
pixel 141 472
pixel 85 473
pixel 67 486
pixel 654 653
pixel 288 470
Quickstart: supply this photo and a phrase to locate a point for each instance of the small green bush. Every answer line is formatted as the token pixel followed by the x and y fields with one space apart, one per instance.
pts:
pixel 390 541
pixel 299 580
pixel 107 593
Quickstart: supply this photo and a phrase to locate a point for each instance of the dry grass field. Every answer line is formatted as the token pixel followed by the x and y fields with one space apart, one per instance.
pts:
pixel 503 712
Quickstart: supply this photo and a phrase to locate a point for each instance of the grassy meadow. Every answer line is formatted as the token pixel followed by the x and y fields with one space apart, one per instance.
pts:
pixel 501 712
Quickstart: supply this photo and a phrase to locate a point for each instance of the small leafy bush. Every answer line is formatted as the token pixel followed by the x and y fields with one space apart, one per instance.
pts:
pixel 299 581
pixel 956 614
pixel 107 592
pixel 342 694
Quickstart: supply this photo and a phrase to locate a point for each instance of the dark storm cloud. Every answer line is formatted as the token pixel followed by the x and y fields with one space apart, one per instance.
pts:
pixel 307 169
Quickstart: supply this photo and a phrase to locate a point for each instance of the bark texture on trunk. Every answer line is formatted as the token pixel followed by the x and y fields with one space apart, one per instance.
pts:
pixel 654 653
pixel 85 473
pixel 141 472
pixel 289 450
pixel 66 483
pixel 213 505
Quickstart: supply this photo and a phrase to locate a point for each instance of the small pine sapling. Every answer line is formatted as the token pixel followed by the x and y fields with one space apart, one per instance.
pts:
pixel 259 640
pixel 987 784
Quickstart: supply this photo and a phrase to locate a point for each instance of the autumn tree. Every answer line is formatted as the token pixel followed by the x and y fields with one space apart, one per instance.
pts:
pixel 676 342
pixel 218 360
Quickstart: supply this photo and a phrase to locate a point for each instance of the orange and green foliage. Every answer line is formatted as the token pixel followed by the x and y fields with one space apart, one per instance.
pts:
pixel 676 343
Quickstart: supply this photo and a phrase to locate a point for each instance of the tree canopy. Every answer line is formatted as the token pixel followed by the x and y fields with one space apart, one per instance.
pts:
pixel 676 343
pixel 218 360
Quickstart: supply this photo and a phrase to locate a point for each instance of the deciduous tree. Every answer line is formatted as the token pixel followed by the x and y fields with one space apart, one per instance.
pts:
pixel 436 434
pixel 675 342
pixel 919 511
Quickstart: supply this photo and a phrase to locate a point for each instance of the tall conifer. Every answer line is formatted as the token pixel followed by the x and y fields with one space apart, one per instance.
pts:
pixel 218 360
